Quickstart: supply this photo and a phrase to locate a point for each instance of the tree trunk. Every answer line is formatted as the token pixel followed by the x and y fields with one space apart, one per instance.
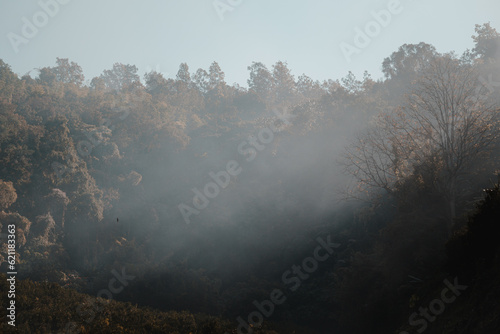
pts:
pixel 452 207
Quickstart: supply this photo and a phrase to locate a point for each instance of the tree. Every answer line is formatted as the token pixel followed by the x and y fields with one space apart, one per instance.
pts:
pixel 285 90
pixel 261 80
pixel 155 83
pixel 446 111
pixel 18 142
pixel 444 126
pixel 9 82
pixel 216 75
pixel 201 80
pixel 8 194
pixel 183 74
pixel 183 86
pixel 487 42
pixel 47 76
pixel 68 72
pixel 120 76
pixel 65 72
pixel 351 84
pixel 408 61
pixel 308 88
pixel 97 84
pixel 374 159
pixel 216 81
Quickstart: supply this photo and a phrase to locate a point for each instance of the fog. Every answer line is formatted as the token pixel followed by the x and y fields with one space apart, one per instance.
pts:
pixel 242 167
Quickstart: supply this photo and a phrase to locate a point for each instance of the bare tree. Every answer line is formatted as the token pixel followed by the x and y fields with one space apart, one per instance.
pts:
pixel 448 109
pixel 445 124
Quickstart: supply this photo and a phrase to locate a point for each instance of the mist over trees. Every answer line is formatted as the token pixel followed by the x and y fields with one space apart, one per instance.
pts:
pixel 93 172
pixel 445 125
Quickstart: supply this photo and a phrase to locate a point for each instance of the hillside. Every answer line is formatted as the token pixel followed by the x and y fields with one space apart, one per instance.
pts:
pixel 290 206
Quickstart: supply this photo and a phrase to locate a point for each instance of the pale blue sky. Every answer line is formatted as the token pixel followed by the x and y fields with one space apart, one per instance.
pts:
pixel 160 34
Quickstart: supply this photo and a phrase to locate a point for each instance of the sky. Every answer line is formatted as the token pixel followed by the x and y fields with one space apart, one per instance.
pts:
pixel 161 34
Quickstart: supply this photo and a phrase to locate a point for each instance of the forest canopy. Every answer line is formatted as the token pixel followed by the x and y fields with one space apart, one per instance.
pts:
pixel 99 174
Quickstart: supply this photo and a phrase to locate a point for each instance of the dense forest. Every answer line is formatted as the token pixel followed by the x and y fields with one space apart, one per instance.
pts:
pixel 146 204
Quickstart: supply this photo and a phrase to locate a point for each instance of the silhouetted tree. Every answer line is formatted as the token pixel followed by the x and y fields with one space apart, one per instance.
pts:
pixel 443 125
